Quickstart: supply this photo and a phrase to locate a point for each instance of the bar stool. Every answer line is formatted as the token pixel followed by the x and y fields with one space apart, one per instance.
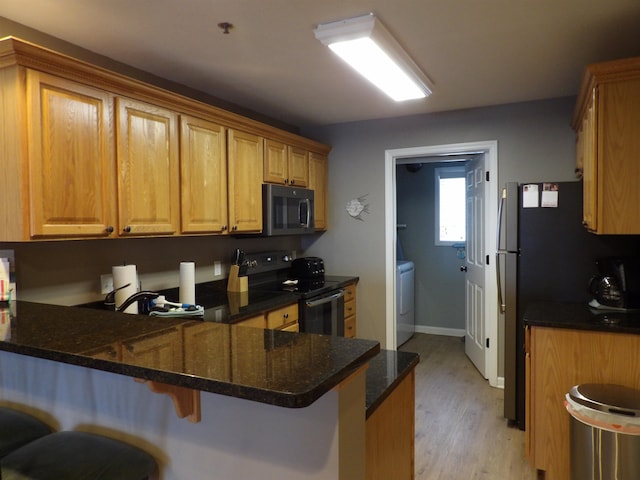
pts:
pixel 18 429
pixel 77 456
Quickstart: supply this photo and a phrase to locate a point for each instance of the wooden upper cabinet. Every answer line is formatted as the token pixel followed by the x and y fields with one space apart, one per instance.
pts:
pixel 318 181
pixel 298 166
pixel 71 162
pixel 586 164
pixel 275 162
pixel 203 176
pixel 92 153
pixel 607 122
pixel 245 166
pixel 148 170
pixel 284 164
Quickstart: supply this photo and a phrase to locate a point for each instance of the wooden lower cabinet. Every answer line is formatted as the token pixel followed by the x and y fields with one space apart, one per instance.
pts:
pixel 284 318
pixel 350 311
pixel 390 432
pixel 558 359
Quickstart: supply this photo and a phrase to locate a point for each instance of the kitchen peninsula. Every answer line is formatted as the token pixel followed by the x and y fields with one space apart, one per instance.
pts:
pixel 273 404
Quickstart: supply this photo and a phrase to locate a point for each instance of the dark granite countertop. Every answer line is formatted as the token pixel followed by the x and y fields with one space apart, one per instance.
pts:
pixel 581 317
pixel 386 370
pixel 279 368
pixel 229 307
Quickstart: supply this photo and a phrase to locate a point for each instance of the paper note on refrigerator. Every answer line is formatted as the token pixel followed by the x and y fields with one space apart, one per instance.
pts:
pixel 550 195
pixel 530 196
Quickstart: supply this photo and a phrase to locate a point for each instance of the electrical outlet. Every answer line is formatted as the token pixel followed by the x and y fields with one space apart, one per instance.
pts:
pixel 106 283
pixel 217 268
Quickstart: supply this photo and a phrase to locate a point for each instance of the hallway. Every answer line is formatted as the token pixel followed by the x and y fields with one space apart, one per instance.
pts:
pixel 460 431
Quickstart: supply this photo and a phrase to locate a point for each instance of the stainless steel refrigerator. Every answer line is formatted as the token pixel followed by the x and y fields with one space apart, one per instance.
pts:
pixel 543 254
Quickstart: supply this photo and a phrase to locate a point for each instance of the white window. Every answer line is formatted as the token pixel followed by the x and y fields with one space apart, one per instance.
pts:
pixel 450 205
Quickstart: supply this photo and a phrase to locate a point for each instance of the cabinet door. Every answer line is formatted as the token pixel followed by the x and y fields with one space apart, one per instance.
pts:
pixel 203 176
pixel 318 178
pixel 245 166
pixel 618 169
pixel 298 167
pixel 275 162
pixel 71 162
pixel 148 171
pixel 586 150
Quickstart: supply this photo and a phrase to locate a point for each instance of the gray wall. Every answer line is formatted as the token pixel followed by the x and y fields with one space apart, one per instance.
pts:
pixel 535 143
pixel 439 284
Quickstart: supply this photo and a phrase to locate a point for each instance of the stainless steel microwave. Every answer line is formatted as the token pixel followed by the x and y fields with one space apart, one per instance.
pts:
pixel 286 210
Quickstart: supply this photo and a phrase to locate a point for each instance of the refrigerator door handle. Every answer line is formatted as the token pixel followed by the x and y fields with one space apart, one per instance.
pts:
pixel 501 303
pixel 499 252
pixel 503 198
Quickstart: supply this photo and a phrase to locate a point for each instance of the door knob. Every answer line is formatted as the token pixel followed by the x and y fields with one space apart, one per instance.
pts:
pixel 463 268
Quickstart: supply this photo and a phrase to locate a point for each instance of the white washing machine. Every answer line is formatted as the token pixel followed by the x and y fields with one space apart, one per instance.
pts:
pixel 405 318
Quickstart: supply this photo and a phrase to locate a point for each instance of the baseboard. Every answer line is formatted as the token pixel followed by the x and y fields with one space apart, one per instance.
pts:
pixel 449 332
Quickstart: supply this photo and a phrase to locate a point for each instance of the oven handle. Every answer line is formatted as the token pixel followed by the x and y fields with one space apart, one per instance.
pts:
pixel 323 300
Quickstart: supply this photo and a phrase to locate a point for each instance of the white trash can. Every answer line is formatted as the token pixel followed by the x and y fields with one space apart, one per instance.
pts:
pixel 605 432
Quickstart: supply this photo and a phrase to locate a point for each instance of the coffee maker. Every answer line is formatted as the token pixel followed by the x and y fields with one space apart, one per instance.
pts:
pixel 617 286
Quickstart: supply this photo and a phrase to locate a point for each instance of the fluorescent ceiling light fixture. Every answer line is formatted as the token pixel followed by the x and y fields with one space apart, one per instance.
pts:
pixel 365 44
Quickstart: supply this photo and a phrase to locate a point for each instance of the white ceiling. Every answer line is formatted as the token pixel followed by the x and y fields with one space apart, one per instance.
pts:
pixel 477 52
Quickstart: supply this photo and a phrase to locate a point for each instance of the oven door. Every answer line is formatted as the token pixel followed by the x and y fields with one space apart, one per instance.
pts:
pixel 323 314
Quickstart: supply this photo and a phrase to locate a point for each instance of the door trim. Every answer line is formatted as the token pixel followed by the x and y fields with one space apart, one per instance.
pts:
pixel 490 149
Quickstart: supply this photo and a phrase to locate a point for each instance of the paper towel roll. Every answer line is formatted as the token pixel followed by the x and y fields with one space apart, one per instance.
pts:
pixel 123 275
pixel 188 282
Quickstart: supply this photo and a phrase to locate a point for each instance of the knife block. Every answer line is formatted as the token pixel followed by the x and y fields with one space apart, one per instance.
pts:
pixel 236 283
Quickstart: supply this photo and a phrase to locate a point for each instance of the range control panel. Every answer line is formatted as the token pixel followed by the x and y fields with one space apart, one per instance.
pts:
pixel 270 261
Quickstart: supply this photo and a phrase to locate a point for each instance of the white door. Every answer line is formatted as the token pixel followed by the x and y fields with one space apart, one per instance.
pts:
pixel 475 336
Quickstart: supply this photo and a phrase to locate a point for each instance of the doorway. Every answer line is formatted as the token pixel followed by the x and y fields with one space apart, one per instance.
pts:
pixel 489 209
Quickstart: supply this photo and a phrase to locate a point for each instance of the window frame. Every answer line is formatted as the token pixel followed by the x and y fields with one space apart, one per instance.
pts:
pixel 457 171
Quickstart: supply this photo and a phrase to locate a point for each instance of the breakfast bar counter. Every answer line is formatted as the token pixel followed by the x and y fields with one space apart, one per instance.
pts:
pixel 269 366
pixel 266 404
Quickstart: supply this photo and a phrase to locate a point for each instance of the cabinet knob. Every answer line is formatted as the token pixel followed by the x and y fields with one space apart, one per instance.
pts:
pixel 291 182
pixel 224 228
pixel 286 315
pixel 286 181
pixel 130 348
pixel 109 229
pixel 234 228
pixel 127 229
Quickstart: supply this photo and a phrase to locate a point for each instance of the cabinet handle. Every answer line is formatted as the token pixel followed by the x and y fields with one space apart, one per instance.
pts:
pixel 234 228
pixel 109 229
pixel 291 182
pixel 224 227
pixel 286 181
pixel 286 315
pixel 127 229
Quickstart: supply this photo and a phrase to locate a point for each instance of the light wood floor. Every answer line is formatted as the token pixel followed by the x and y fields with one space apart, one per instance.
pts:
pixel 460 431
